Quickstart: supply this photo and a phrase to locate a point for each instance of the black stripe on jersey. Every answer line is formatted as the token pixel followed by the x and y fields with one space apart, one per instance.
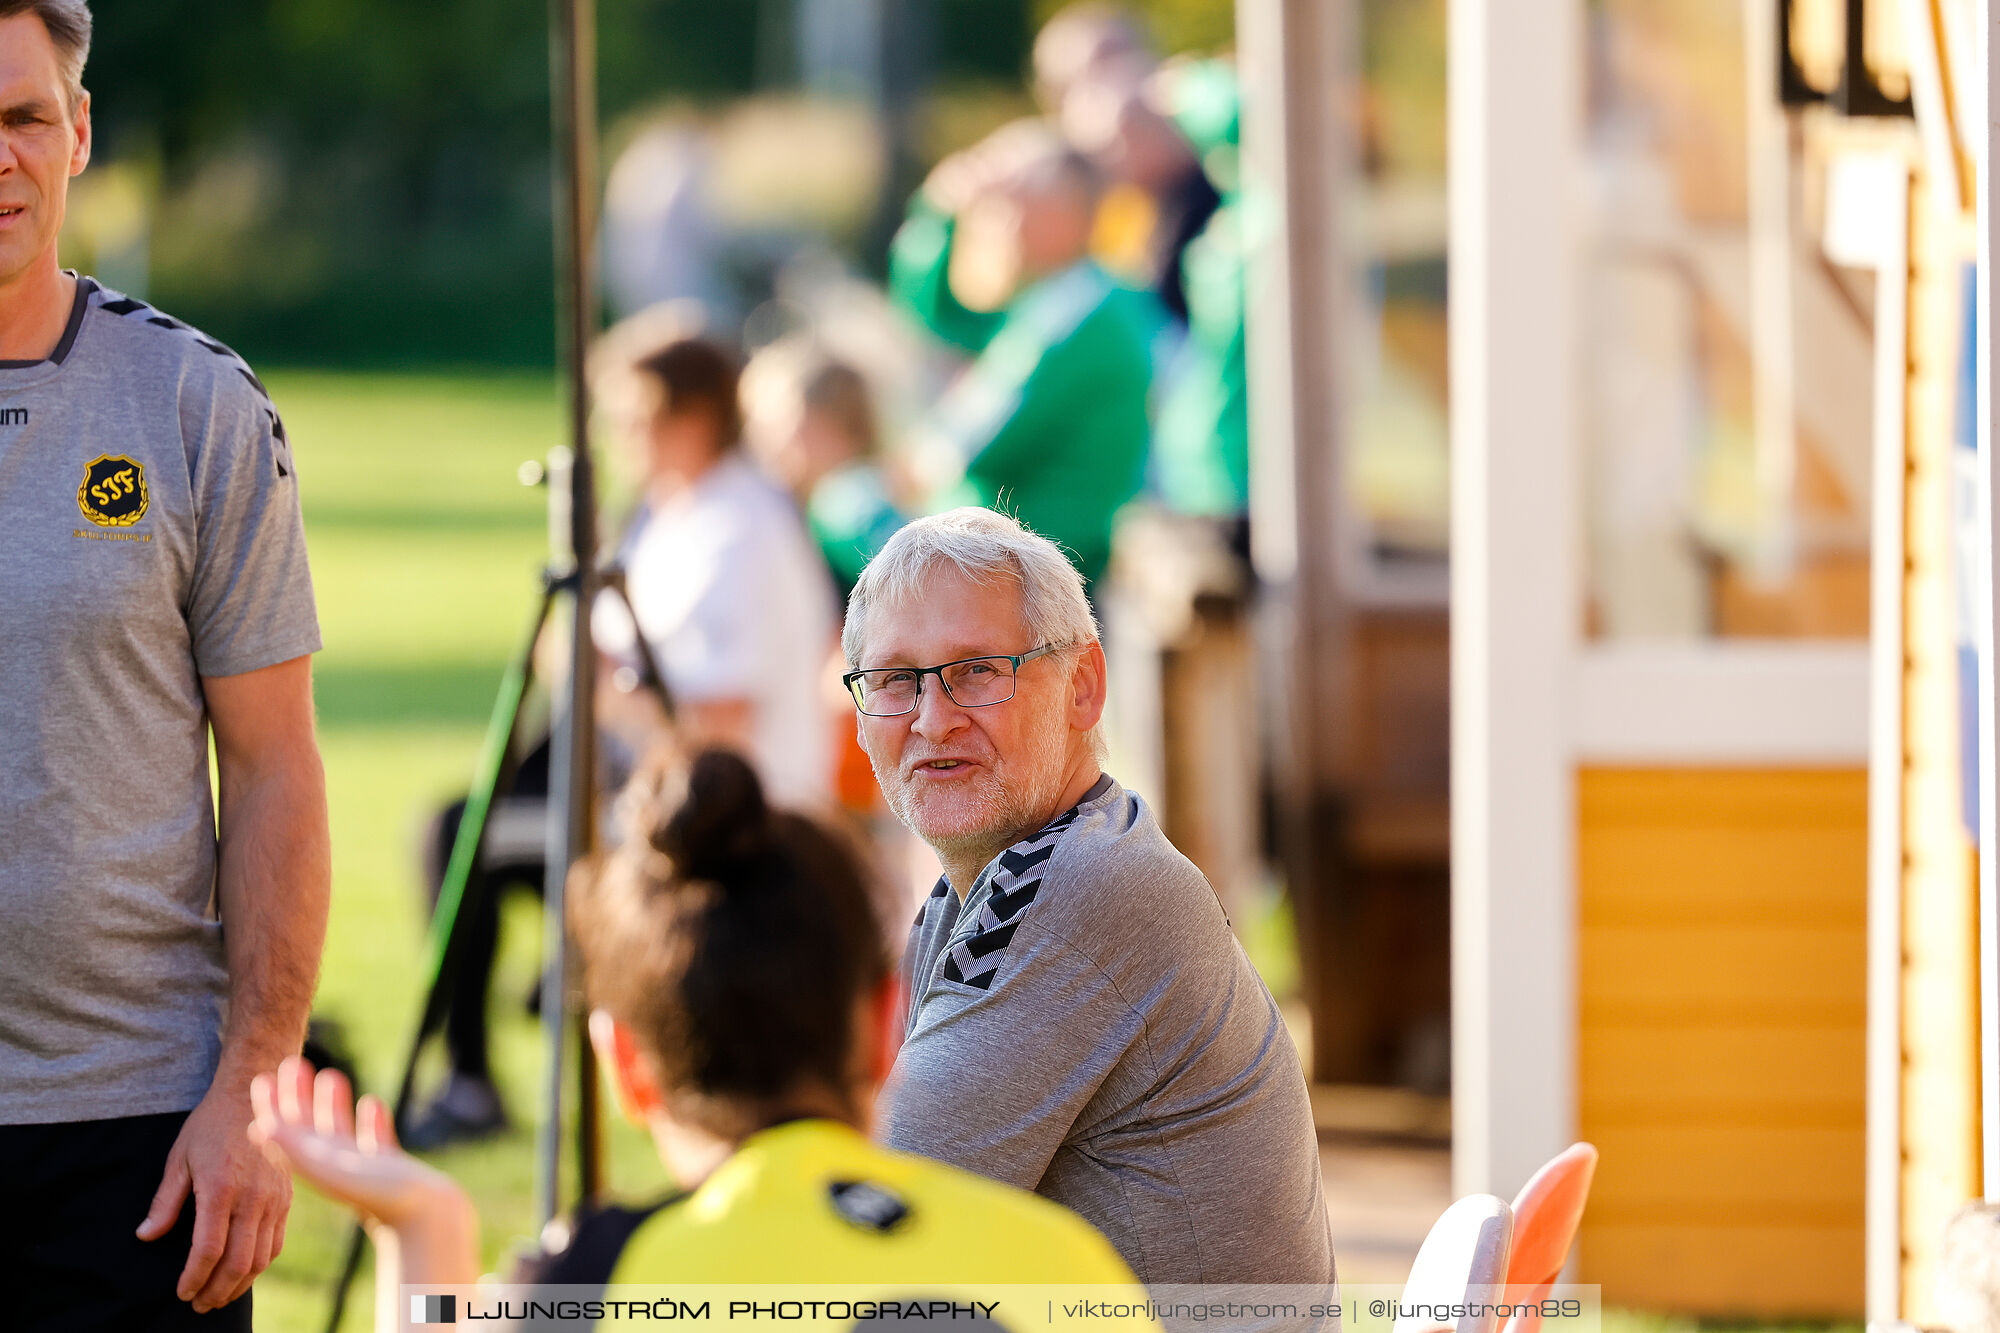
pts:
pixel 938 890
pixel 1020 863
pixel 128 307
pixel 993 941
pixel 975 960
pixel 1007 906
pixel 246 372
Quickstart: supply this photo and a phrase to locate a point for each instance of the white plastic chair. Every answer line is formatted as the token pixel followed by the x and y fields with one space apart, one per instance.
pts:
pixel 1464 1257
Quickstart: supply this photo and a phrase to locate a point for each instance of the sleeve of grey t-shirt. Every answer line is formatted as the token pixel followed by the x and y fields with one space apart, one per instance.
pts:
pixel 995 1080
pixel 251 601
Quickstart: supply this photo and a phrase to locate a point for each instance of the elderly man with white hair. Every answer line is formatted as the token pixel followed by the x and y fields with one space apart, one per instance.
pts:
pixel 1081 1021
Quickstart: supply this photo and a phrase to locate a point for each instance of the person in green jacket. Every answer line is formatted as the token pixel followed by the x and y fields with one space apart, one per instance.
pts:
pixel 1202 446
pixel 1050 421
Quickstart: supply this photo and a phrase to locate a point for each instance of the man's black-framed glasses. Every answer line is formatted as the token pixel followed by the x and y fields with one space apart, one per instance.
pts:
pixel 970 682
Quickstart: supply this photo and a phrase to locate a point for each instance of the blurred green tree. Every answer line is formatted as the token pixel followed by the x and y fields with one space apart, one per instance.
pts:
pixel 1200 26
pixel 365 182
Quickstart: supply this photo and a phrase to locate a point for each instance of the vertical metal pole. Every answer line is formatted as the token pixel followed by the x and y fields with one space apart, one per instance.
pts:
pixel 573 118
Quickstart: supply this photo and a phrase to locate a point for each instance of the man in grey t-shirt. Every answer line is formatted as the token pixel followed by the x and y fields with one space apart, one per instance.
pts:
pixel 153 596
pixel 1081 1020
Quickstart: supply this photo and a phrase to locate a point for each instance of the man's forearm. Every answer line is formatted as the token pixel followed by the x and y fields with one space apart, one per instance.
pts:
pixel 274 882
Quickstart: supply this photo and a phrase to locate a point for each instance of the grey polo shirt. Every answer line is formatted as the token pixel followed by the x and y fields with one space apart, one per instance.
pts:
pixel 149 536
pixel 1085 1025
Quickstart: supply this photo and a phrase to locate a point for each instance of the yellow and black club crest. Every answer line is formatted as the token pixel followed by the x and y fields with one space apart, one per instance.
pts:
pixel 113 494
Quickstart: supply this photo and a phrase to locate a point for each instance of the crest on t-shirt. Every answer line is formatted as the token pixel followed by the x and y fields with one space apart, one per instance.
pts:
pixel 867 1205
pixel 113 493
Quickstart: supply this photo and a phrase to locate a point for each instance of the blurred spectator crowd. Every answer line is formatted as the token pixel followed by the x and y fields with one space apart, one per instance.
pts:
pixel 1061 337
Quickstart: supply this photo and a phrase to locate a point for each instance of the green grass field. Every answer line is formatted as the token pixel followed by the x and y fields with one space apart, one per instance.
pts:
pixel 425 558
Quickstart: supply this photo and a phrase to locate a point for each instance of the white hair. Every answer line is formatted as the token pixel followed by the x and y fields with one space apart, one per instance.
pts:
pixel 987 548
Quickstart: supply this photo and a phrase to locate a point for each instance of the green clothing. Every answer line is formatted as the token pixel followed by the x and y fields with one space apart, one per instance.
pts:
pixel 851 517
pixel 1208 108
pixel 1049 423
pixel 1203 442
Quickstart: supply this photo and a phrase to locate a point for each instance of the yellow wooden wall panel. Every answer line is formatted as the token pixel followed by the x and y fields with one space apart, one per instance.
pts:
pixel 1722 1051
pixel 1660 894
pixel 1776 881
pixel 1727 1174
pixel 1721 797
pixel 1813 1068
pixel 1760 968
pixel 1804 1268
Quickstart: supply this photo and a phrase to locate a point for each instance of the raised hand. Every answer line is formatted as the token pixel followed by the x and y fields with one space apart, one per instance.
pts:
pixel 310 1123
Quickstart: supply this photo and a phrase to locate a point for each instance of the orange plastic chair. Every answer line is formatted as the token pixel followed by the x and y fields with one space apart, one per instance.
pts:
pixel 1465 1250
pixel 1546 1213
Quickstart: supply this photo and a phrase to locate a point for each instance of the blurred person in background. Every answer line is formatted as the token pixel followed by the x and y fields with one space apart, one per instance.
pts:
pixel 722 576
pixel 1050 419
pixel 1160 199
pixel 738 612
pixel 661 238
pixel 741 1003
pixel 1201 443
pixel 1086 42
pixel 1081 1021
pixel 159 938
pixel 809 418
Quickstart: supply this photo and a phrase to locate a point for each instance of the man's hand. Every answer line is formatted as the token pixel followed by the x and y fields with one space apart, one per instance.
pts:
pixel 240 1201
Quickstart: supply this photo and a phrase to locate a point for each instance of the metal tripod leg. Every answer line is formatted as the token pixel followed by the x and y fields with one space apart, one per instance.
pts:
pixel 650 676
pixel 445 944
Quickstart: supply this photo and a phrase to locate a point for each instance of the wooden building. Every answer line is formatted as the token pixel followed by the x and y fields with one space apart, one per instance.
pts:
pixel 1715 897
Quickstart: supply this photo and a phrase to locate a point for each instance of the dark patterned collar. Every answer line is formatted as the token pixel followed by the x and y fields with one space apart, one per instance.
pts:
pixel 1012 882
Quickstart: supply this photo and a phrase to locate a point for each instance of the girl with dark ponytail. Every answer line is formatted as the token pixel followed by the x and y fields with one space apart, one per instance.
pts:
pixel 731 959
pixel 742 1005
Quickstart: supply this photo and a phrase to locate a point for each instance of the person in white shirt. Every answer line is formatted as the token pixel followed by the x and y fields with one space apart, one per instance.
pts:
pixel 726 585
pixel 740 613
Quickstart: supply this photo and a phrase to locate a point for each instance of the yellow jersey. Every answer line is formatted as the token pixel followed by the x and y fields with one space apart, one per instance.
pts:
pixel 813 1201
pixel 810 1225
